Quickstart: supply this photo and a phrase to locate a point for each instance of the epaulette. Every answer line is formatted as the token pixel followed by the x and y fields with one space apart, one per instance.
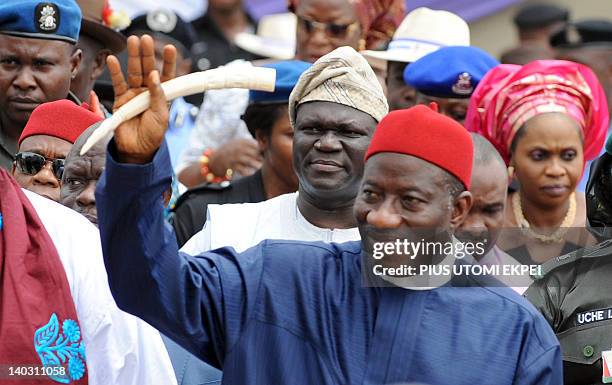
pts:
pixel 599 250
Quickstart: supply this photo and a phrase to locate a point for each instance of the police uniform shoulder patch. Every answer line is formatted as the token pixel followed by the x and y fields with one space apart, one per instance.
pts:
pixel 47 17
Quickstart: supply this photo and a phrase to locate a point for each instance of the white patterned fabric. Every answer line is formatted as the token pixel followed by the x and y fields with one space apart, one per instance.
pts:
pixel 342 76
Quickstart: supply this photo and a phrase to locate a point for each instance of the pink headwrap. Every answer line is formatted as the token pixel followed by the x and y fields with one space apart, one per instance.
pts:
pixel 509 95
pixel 378 18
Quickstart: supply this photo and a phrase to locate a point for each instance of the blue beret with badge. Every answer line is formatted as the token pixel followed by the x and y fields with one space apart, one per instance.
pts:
pixel 287 74
pixel 450 72
pixel 36 19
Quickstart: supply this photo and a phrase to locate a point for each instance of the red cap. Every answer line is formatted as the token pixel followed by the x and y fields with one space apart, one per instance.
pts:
pixel 419 131
pixel 62 119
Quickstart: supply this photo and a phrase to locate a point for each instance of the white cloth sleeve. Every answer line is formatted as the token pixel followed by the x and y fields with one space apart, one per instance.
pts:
pixel 120 348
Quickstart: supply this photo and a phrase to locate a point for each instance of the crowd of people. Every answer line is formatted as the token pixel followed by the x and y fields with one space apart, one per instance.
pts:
pixel 234 236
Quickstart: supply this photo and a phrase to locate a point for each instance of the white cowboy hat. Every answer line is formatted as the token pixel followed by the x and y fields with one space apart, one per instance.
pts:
pixel 275 37
pixel 421 32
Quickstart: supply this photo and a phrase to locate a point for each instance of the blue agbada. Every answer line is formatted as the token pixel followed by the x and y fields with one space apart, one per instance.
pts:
pixel 287 312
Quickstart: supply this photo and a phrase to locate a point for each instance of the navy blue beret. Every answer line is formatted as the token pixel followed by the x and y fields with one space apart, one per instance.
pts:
pixel 450 72
pixel 53 20
pixel 287 74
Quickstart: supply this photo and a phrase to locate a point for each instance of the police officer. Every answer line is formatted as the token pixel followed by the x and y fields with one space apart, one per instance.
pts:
pixel 448 77
pixel 39 59
pixel 574 294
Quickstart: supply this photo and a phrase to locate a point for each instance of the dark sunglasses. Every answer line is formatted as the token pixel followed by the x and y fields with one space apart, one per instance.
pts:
pixel 332 30
pixel 31 163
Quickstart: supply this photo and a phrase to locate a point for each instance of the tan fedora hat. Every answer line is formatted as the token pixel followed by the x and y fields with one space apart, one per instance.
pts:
pixel 275 37
pixel 424 31
pixel 95 26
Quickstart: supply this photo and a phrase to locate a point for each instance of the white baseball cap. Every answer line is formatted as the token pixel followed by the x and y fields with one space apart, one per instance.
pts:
pixel 423 31
pixel 275 37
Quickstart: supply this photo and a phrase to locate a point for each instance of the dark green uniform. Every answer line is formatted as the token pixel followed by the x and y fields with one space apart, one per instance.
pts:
pixel 575 296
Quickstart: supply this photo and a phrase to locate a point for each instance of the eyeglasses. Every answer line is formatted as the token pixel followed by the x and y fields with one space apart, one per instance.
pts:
pixel 31 163
pixel 332 30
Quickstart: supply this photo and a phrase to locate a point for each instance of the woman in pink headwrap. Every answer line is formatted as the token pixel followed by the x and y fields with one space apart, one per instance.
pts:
pixel 324 25
pixel 546 119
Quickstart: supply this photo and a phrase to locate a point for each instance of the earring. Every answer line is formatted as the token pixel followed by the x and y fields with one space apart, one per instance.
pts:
pixel 510 172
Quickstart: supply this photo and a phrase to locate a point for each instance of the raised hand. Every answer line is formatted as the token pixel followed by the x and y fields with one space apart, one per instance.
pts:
pixel 138 139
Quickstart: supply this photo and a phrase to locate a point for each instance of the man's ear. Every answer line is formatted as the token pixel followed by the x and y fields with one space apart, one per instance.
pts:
pixel 99 63
pixel 461 208
pixel 75 61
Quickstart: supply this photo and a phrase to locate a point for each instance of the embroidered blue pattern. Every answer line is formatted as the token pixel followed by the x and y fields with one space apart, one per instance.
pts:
pixel 55 348
pixel 71 330
pixel 76 367
pixel 1 223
